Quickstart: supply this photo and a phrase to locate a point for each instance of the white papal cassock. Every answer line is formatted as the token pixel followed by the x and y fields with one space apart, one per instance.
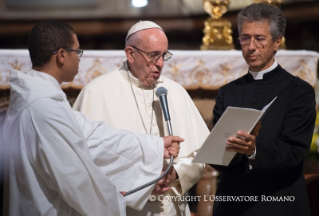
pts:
pixel 121 101
pixel 51 149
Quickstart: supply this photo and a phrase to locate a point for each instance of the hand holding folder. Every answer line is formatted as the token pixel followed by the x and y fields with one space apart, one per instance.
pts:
pixel 244 143
pixel 234 119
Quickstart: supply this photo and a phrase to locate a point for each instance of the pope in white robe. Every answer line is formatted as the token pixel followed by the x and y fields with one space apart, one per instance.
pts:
pixel 50 151
pixel 123 102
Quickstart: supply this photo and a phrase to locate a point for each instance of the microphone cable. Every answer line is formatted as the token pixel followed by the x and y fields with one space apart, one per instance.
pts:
pixel 161 93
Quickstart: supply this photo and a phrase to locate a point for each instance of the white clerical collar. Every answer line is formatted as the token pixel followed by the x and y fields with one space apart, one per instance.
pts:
pixel 133 79
pixel 260 75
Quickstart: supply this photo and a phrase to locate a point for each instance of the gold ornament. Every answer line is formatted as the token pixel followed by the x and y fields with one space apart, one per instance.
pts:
pixel 218 33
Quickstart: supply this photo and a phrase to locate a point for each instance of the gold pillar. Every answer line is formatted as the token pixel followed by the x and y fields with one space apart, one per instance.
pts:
pixel 276 3
pixel 218 33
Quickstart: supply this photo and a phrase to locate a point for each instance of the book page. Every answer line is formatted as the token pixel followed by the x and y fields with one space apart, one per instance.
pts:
pixel 233 119
pixel 268 105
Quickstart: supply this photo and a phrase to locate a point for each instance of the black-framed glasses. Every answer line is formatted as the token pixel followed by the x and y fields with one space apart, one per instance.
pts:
pixel 78 52
pixel 154 56
pixel 260 42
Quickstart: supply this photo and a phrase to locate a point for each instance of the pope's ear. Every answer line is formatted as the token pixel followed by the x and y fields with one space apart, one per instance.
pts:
pixel 129 52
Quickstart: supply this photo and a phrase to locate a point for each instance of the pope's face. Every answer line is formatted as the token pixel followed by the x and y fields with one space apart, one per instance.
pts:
pixel 257 45
pixel 154 43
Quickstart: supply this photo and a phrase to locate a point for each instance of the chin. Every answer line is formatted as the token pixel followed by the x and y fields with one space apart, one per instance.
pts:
pixel 150 82
pixel 69 79
pixel 254 66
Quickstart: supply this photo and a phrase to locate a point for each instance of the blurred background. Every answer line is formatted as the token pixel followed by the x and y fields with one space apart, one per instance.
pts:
pixel 103 24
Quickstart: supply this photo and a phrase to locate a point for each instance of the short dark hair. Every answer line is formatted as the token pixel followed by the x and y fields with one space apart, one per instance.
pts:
pixel 259 12
pixel 46 37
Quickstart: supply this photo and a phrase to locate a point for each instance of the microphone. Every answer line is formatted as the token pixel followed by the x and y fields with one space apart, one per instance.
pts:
pixel 161 93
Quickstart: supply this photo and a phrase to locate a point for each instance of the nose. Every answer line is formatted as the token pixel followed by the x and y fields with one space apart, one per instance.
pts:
pixel 252 45
pixel 160 62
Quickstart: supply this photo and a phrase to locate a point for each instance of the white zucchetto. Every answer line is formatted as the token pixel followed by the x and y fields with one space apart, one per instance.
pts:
pixel 141 25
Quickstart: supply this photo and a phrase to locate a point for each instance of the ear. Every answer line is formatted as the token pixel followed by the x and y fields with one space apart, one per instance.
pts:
pixel 129 52
pixel 277 43
pixel 61 56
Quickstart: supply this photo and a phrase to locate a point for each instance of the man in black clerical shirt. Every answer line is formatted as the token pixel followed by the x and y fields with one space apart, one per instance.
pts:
pixel 265 177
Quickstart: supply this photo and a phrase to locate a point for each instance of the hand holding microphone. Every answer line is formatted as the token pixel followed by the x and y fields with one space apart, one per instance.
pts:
pixel 171 149
pixel 171 146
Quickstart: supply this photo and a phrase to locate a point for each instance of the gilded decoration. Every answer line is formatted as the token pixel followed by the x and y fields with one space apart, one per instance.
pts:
pixel 16 65
pixel 223 74
pixel 191 69
pixel 304 72
pixel 174 71
pixel 95 63
pixel 95 70
pixel 6 66
pixel 216 8
pixel 225 68
pixel 218 33
pixel 202 74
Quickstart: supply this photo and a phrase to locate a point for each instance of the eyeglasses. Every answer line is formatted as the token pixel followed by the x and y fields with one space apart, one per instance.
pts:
pixel 259 41
pixel 78 52
pixel 154 56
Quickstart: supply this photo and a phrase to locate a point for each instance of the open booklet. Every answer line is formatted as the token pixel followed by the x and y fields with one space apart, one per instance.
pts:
pixel 233 119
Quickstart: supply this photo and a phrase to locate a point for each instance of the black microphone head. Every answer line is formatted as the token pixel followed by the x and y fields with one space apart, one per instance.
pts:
pixel 161 91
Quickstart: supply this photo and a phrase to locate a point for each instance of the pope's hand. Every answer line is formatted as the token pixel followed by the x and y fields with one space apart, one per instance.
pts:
pixel 162 186
pixel 171 146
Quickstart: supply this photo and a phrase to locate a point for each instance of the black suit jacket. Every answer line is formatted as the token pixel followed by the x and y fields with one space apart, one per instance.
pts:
pixel 281 145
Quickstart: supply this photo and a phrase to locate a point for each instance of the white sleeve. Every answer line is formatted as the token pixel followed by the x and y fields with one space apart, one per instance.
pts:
pixel 188 172
pixel 128 159
pixel 55 146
